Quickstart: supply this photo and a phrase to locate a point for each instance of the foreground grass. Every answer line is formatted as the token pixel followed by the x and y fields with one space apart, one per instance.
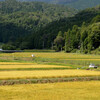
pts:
pixel 48 80
pixel 55 91
pixel 4 75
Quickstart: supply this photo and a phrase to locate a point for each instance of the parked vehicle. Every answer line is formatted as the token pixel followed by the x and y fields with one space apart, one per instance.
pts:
pixel 92 66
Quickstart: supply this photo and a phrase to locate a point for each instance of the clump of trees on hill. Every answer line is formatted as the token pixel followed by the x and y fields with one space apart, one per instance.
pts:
pixel 85 38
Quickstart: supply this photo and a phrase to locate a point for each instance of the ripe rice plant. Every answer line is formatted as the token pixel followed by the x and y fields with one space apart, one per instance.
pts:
pixel 27 65
pixel 4 75
pixel 16 63
pixel 55 91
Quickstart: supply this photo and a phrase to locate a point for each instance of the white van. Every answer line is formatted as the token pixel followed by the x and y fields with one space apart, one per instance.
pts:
pixel 92 66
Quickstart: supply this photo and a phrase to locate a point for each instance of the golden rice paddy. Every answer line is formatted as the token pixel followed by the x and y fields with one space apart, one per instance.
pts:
pixel 55 91
pixel 28 65
pixel 87 90
pixel 46 74
pixel 84 59
pixel 15 63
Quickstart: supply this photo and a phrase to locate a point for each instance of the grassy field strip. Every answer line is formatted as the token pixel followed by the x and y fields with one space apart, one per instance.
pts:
pixel 31 69
pixel 84 59
pixel 4 75
pixel 30 66
pixel 55 91
pixel 56 55
pixel 47 80
pixel 55 58
pixel 51 55
pixel 45 68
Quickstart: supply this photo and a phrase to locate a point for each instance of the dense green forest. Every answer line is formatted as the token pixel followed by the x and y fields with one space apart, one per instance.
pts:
pixel 48 34
pixel 34 25
pixel 78 4
pixel 22 18
pixel 83 4
pixel 84 37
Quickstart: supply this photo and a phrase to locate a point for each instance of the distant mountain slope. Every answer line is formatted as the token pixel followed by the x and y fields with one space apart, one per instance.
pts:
pixel 9 6
pixel 53 1
pixel 22 18
pixel 78 4
pixel 82 4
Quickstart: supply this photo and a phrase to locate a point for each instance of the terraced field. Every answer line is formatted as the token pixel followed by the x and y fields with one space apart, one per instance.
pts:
pixel 22 69
pixel 89 90
pixel 46 74
pixel 40 66
pixel 52 58
pixel 61 55
pixel 28 65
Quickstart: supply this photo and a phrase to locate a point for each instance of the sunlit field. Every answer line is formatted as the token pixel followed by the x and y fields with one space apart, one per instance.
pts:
pixel 49 68
pixel 46 74
pixel 89 90
pixel 60 55
pixel 52 58
pixel 30 65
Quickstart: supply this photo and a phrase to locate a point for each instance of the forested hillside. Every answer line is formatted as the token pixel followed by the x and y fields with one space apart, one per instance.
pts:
pixel 48 34
pixel 78 4
pixel 22 18
pixel 33 25
pixel 82 4
pixel 83 36
pixel 53 1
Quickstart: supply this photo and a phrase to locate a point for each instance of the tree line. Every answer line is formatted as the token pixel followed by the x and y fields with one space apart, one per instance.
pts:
pixel 42 30
pixel 85 38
